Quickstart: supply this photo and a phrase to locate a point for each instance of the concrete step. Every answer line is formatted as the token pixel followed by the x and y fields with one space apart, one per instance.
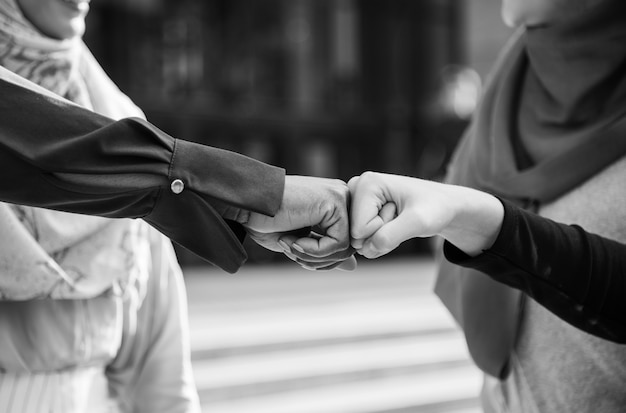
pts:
pixel 443 390
pixel 218 334
pixel 287 286
pixel 284 340
pixel 243 376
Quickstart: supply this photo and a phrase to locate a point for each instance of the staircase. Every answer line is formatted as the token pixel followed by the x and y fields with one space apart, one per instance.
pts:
pixel 279 339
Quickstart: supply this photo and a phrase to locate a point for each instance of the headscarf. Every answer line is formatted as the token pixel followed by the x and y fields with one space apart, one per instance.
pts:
pixel 64 277
pixel 51 253
pixel 552 116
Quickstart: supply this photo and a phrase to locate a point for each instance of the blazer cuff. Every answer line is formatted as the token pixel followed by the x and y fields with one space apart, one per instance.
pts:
pixel 227 179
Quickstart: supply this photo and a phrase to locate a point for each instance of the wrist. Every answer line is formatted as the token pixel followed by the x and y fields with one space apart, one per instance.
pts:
pixel 476 220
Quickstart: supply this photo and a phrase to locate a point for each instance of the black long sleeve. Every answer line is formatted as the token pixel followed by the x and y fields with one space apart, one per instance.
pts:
pixel 59 156
pixel 579 276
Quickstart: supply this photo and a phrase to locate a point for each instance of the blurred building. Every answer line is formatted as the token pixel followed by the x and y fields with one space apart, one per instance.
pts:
pixel 322 87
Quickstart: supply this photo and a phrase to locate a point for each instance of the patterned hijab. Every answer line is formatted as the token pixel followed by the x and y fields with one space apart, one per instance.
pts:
pixel 553 114
pixel 47 253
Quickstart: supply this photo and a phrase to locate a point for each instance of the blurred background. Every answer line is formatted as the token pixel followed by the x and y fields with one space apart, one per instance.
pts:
pixel 328 88
pixel 321 87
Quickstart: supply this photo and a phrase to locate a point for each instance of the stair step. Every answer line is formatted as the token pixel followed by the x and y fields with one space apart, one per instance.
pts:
pixel 259 287
pixel 206 352
pixel 360 356
pixel 439 390
pixel 281 386
pixel 281 339
pixel 344 321
pixel 471 405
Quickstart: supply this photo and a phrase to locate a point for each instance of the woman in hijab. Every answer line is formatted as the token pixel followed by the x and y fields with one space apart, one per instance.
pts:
pixel 93 310
pixel 549 136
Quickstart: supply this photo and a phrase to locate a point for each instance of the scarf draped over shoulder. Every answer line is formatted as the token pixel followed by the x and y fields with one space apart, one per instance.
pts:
pixel 47 253
pixel 553 114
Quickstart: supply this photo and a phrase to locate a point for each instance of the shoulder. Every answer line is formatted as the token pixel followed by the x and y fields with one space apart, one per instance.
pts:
pixel 598 204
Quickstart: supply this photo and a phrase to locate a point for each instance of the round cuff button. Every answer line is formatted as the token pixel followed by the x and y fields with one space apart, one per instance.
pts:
pixel 177 186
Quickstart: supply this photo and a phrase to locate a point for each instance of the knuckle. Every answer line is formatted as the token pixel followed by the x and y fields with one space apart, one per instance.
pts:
pixel 369 175
pixel 326 208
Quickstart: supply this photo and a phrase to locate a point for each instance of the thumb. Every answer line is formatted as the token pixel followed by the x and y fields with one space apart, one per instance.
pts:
pixel 389 236
pixel 385 215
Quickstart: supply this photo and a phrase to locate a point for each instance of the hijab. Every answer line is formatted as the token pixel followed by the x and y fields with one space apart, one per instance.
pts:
pixel 54 253
pixel 552 115
pixel 64 278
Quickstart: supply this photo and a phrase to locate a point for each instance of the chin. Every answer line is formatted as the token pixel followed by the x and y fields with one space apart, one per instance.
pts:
pixel 509 20
pixel 73 30
pixel 78 31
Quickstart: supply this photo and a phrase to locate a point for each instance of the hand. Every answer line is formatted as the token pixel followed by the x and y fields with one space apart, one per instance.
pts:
pixel 311 226
pixel 390 209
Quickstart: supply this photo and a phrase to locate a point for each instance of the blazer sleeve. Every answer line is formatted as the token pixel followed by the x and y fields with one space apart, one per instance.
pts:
pixel 56 155
pixel 577 275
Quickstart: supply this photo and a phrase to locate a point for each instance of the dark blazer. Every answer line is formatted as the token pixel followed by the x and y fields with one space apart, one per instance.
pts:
pixel 59 156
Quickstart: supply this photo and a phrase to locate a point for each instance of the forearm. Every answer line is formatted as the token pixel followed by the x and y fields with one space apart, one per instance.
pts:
pixel 60 156
pixel 56 155
pixel 577 275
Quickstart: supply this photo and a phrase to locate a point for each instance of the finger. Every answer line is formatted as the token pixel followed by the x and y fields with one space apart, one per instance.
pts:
pixel 348 265
pixel 306 261
pixel 321 248
pixel 388 237
pixel 335 238
pixel 365 230
pixel 367 202
pixel 319 265
pixel 357 244
pixel 327 268
pixel 369 251
pixel 288 242
pixel 291 256
pixel 388 212
pixel 352 183
pixel 335 266
pixel 303 250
